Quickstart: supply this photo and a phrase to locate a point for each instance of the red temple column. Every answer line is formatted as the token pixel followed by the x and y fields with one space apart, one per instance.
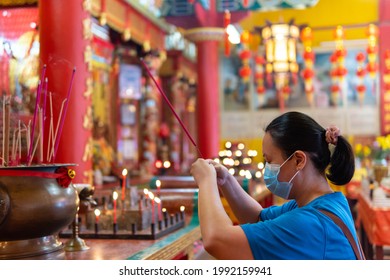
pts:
pixel 207 108
pixel 65 34
pixel 384 44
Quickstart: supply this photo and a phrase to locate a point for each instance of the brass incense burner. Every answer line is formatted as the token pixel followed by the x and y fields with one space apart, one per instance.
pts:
pixel 36 203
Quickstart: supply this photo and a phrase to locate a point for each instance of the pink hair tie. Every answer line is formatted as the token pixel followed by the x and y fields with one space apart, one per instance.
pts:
pixel 331 135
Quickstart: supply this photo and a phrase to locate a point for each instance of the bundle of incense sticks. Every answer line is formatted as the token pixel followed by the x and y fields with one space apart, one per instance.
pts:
pixel 35 129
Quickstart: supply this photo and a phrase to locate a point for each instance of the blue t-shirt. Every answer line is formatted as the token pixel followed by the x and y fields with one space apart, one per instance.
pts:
pixel 302 233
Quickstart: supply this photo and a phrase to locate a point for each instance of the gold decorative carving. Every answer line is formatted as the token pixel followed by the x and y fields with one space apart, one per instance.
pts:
pixel 87 155
pixel 88 57
pixel 88 177
pixel 89 84
pixel 126 34
pixel 87 5
pixel 87 119
pixel 87 30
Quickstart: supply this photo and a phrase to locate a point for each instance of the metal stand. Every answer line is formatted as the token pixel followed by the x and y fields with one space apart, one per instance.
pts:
pixel 75 243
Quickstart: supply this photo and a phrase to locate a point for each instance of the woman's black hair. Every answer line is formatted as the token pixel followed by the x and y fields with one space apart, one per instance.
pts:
pixel 294 131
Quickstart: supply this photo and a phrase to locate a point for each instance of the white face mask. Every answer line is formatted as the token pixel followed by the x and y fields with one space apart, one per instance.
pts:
pixel 271 172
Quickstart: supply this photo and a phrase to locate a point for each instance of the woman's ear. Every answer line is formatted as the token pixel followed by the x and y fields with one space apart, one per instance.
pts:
pixel 300 159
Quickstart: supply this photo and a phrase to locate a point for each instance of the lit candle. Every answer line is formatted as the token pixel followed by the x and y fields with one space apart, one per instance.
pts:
pixel 124 175
pixel 165 213
pixel 151 196
pixel 114 197
pixel 158 201
pixel 97 214
pixel 146 192
pixel 158 185
pixel 182 208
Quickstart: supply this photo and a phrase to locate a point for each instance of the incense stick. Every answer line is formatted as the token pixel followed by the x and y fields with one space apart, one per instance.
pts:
pixel 6 131
pixel 2 150
pixel 171 107
pixel 51 131
pixel 37 100
pixel 55 135
pixel 63 118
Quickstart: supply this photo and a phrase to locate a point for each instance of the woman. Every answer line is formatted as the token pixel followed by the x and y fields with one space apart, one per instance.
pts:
pixel 301 156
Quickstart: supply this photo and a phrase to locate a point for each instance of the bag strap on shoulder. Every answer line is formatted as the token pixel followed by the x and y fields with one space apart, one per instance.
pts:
pixel 357 250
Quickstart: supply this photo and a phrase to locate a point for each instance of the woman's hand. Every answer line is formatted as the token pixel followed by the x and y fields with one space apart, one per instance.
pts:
pixel 203 171
pixel 222 173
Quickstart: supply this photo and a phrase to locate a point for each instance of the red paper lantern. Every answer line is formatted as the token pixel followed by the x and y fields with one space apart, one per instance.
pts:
pixel 333 58
pixel 308 74
pixel 372 49
pixel 335 88
pixel 259 60
pixel 372 67
pixel 360 57
pixel 259 75
pixel 341 71
pixel 245 71
pixel 361 88
pixel 361 72
pixel 286 90
pixel 245 54
pixel 308 55
pixel 387 87
pixel 260 89
pixel 341 53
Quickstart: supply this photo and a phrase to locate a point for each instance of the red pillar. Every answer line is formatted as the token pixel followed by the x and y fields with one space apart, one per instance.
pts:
pixel 64 45
pixel 207 108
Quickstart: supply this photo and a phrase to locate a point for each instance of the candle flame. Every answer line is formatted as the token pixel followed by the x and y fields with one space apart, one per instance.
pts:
pixel 146 191
pixel 158 183
pixel 115 195
pixel 97 212
pixel 124 172
pixel 157 200
pixel 182 208
pixel 151 195
pixel 164 209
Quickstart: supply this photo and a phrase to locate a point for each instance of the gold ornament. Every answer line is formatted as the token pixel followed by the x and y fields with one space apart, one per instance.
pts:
pixel 88 150
pixel 126 36
pixel 87 30
pixel 88 57
pixel 88 92
pixel 87 5
pixel 71 173
pixel 146 46
pixel 87 119
pixel 103 19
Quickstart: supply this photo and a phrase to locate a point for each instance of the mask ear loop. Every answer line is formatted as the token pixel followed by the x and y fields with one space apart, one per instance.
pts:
pixel 287 159
pixel 294 176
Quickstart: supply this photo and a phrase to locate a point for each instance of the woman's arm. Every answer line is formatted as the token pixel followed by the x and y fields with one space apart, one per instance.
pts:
pixel 220 237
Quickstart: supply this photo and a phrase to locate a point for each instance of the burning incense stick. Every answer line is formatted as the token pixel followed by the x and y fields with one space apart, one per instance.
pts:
pixel 58 137
pixel 171 107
